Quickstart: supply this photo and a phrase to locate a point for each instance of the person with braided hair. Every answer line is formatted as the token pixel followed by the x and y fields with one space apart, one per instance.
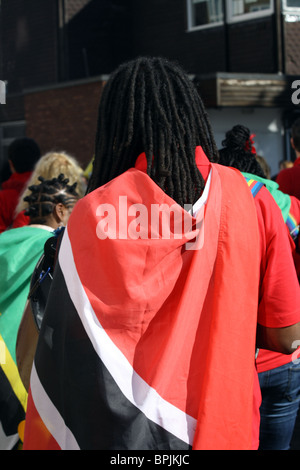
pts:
pixel 51 202
pixel 49 206
pixel 49 165
pixel 239 152
pixel 279 374
pixel 149 334
pixel 236 154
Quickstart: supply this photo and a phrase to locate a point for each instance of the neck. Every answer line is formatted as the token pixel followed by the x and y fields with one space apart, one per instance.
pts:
pixel 42 226
pixel 47 222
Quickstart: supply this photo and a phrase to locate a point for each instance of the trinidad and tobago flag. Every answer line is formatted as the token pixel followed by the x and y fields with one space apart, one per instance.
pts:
pixel 148 339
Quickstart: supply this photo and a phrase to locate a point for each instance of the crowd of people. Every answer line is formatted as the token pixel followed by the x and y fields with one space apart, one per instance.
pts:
pixel 147 341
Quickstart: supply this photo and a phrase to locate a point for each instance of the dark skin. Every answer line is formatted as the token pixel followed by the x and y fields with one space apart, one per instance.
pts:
pixel 59 216
pixel 278 339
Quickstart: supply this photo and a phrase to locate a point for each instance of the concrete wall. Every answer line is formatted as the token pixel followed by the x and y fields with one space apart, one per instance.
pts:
pixel 265 123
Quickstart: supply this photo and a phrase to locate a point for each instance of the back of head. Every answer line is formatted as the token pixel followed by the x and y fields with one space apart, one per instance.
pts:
pixel 50 166
pixel 283 164
pixel 237 151
pixel 24 154
pixel 296 134
pixel 264 166
pixel 46 195
pixel 150 105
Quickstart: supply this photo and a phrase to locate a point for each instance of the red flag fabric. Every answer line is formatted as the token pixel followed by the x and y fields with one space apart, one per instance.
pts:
pixel 148 341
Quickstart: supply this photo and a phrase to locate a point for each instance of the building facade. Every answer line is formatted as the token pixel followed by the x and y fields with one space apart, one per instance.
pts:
pixel 242 54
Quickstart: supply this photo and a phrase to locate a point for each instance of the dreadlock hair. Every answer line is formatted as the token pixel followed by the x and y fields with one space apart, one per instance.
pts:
pixel 45 196
pixel 150 105
pixel 235 152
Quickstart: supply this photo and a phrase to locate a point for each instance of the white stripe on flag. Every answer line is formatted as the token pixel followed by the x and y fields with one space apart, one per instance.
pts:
pixel 50 415
pixel 7 442
pixel 136 390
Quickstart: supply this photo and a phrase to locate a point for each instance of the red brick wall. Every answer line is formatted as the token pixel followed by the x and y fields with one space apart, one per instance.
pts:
pixel 64 119
pixel 251 47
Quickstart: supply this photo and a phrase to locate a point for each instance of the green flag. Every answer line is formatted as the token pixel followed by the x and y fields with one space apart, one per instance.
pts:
pixel 20 250
pixel 281 199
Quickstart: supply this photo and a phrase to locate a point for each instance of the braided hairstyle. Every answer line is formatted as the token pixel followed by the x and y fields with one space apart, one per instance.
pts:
pixel 150 105
pixel 46 195
pixel 236 151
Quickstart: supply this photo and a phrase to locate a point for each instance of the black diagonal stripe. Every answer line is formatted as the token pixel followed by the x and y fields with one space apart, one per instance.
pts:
pixel 82 389
pixel 11 410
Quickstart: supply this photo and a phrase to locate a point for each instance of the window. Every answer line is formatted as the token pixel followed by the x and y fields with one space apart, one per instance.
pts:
pixel 207 13
pixel 240 10
pixel 291 4
pixel 204 13
pixel 291 10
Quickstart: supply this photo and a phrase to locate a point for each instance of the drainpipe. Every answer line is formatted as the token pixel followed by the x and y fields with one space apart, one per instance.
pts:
pixel 226 32
pixel 62 43
pixel 279 40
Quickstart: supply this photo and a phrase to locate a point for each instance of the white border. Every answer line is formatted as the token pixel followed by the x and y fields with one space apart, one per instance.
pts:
pixel 50 415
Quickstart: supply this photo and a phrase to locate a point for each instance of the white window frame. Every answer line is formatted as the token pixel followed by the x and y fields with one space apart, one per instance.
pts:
pixel 287 9
pixel 190 27
pixel 229 17
pixel 247 16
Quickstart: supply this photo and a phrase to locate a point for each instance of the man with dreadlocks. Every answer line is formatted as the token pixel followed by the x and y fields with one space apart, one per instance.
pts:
pixel 49 206
pixel 149 335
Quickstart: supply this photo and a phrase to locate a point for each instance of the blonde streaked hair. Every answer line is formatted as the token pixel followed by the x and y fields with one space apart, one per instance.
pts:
pixel 51 165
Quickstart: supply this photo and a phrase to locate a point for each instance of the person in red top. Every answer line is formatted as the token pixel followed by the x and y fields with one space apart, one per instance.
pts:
pixel 146 342
pixel 279 374
pixel 22 156
pixel 289 178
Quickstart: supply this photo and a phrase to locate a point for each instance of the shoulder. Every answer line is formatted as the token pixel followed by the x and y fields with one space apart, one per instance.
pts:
pixel 268 209
pixel 280 295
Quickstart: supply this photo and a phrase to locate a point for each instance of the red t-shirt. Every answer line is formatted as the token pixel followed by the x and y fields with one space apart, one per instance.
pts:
pixel 279 289
pixel 288 180
pixel 295 217
pixel 9 197
pixel 279 303
pixel 20 220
